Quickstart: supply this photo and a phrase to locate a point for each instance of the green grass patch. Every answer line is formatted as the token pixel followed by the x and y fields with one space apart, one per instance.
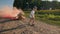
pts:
pixel 47 16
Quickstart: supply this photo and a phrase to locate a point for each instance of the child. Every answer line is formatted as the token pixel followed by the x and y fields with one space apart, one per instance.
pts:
pixel 32 16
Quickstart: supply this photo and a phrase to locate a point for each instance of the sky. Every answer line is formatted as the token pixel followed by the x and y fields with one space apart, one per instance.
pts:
pixel 58 0
pixel 6 3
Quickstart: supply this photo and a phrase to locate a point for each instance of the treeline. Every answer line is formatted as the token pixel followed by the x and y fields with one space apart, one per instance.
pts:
pixel 29 4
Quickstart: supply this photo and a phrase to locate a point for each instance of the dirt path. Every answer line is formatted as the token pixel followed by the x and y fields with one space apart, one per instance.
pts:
pixel 19 27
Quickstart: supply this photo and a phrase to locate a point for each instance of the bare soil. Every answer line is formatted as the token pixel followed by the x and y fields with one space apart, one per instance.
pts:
pixel 19 27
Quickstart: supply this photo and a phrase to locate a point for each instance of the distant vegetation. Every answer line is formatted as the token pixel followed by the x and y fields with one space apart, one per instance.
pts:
pixel 42 5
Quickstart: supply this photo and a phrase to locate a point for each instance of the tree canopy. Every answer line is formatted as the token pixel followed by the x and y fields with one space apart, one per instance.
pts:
pixel 28 4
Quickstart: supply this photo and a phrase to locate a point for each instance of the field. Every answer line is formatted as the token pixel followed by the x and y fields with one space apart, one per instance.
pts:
pixel 47 16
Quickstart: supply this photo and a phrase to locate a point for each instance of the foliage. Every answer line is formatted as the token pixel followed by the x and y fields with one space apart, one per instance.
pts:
pixel 28 4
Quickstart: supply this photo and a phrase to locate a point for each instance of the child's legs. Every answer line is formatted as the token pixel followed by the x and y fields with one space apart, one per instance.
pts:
pixel 31 20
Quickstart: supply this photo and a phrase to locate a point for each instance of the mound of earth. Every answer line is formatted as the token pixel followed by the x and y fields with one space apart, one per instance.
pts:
pixel 19 27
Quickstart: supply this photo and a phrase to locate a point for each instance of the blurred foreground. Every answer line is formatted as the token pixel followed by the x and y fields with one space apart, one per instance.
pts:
pixel 19 27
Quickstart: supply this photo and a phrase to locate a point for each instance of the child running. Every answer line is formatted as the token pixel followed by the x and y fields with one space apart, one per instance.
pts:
pixel 32 16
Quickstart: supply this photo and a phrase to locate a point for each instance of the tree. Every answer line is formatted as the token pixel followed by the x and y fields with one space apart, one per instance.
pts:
pixel 26 3
pixel 19 3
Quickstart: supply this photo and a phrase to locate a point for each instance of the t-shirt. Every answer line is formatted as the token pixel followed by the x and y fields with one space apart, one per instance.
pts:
pixel 32 13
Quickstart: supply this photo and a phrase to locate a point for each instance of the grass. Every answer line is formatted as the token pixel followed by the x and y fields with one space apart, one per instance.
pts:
pixel 51 22
pixel 47 16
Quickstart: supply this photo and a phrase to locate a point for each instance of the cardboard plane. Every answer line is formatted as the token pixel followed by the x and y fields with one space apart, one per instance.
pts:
pixel 9 13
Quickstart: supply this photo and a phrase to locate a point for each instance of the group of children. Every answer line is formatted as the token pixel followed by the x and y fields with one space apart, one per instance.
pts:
pixel 32 16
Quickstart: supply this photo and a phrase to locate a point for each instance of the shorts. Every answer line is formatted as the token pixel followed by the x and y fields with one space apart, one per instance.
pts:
pixel 31 17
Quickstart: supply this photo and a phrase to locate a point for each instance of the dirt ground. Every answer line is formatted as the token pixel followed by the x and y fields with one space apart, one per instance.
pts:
pixel 19 27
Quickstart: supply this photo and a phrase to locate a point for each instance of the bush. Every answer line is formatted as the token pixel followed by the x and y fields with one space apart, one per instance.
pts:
pixel 54 17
